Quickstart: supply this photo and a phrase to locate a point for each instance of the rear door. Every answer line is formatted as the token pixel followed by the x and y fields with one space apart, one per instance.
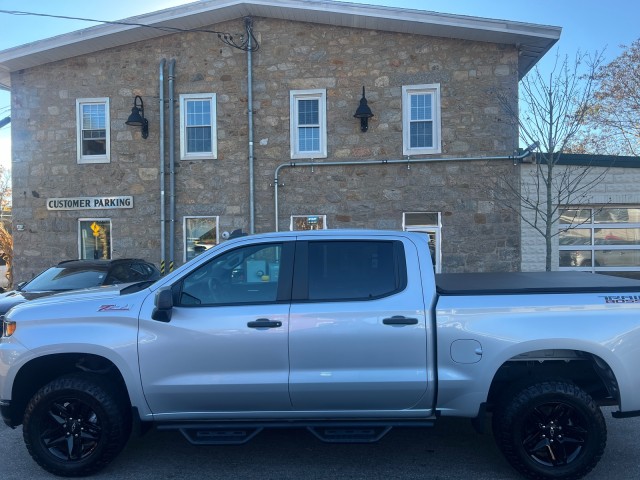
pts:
pixel 357 325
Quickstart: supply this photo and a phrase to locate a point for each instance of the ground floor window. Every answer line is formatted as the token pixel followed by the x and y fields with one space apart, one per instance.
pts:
pixel 600 239
pixel 94 238
pixel 308 222
pixel 200 234
pixel 430 224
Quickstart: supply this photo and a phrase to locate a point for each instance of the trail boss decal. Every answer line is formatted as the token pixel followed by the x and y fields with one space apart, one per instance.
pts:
pixel 114 308
pixel 621 299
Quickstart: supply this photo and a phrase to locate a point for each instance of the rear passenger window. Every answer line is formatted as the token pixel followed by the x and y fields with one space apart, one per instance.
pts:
pixel 355 270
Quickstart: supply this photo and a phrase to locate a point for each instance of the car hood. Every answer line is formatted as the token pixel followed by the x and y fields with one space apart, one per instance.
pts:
pixel 14 297
pixel 73 295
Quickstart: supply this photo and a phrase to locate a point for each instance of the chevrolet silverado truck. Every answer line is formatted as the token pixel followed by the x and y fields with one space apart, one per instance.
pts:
pixel 346 333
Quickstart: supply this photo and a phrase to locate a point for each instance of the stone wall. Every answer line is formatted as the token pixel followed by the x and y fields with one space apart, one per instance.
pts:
pixel 477 234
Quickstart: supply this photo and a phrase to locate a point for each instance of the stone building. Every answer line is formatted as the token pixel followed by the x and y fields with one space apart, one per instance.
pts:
pixel 250 108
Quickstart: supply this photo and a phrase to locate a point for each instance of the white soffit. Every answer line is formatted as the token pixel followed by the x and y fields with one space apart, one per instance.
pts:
pixel 533 40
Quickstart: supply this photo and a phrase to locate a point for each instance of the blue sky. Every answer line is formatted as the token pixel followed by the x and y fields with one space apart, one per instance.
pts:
pixel 587 25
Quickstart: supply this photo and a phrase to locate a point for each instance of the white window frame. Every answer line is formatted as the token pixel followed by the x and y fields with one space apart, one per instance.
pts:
pixel 294 97
pixel 432 89
pixel 433 230
pixel 295 217
pixel 91 219
pixel 186 240
pixel 102 158
pixel 184 154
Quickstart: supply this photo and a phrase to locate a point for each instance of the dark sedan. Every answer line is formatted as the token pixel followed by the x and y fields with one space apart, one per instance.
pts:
pixel 78 274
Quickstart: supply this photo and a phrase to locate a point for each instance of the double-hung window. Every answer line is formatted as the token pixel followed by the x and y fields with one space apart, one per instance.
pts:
pixel 198 138
pixel 92 123
pixel 421 119
pixel 308 123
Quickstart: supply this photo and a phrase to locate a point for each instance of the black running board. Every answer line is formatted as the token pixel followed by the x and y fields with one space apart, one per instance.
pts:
pixel 219 436
pixel 238 433
pixel 355 434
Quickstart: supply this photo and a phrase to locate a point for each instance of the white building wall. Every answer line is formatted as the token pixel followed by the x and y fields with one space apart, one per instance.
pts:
pixel 620 186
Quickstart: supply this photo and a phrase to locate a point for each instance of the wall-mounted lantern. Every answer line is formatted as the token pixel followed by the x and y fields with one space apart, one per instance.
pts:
pixel 136 119
pixel 364 113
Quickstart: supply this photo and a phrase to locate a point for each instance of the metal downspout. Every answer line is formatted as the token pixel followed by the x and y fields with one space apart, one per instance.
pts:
pixel 172 177
pixel 407 162
pixel 248 25
pixel 162 162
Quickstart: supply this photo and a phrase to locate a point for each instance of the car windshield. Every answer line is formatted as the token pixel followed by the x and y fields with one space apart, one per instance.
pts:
pixel 60 279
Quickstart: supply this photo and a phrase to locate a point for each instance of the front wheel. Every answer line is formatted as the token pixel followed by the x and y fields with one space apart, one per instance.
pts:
pixel 551 430
pixel 75 426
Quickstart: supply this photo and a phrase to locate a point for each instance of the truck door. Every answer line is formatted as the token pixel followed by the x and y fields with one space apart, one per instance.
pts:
pixel 357 326
pixel 225 347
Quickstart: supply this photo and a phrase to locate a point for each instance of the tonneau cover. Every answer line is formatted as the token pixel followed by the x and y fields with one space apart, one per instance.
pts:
pixel 532 282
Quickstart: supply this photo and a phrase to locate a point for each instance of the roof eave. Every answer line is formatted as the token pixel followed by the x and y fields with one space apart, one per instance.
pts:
pixel 532 40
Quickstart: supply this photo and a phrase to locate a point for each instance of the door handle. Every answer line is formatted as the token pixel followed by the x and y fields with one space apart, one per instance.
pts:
pixel 264 323
pixel 400 320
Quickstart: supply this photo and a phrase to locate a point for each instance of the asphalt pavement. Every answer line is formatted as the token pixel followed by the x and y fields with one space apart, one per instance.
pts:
pixel 450 450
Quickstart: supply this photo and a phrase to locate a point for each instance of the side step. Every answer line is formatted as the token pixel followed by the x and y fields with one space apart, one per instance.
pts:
pixel 219 436
pixel 349 434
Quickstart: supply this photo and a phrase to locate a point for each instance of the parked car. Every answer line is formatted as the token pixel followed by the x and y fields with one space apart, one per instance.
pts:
pixel 78 274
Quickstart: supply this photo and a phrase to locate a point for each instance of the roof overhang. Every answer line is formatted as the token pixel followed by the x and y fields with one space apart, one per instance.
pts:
pixel 532 40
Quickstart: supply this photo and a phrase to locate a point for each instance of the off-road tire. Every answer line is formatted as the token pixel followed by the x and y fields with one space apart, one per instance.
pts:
pixel 550 430
pixel 75 425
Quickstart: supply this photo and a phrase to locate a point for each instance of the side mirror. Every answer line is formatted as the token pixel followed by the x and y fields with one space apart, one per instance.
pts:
pixel 163 305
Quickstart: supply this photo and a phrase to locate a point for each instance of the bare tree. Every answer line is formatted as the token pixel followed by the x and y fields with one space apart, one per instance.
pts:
pixel 552 111
pixel 6 238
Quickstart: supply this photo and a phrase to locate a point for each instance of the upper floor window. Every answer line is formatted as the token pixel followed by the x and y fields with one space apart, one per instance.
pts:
pixel 92 119
pixel 308 119
pixel 421 119
pixel 198 138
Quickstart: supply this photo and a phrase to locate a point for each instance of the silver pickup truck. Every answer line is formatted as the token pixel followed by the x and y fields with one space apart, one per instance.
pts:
pixel 347 333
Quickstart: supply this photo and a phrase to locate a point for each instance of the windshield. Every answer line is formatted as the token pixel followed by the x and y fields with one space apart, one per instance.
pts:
pixel 60 279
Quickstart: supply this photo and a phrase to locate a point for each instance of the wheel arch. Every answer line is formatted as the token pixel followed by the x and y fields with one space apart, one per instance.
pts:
pixel 587 370
pixel 43 369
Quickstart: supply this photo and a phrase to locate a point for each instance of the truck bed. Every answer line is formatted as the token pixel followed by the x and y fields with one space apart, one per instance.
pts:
pixel 505 283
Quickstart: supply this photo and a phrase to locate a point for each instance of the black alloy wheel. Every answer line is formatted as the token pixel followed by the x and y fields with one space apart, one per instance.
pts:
pixel 551 430
pixel 75 426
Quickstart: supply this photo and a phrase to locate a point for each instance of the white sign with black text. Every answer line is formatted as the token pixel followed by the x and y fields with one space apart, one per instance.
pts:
pixel 89 203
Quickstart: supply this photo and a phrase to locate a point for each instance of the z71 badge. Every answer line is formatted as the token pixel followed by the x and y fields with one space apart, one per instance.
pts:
pixel 113 308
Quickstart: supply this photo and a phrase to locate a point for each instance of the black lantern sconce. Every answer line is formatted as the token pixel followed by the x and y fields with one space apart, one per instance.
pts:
pixel 136 119
pixel 364 113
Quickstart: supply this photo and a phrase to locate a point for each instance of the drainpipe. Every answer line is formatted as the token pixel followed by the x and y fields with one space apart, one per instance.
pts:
pixel 406 162
pixel 162 182
pixel 172 176
pixel 248 26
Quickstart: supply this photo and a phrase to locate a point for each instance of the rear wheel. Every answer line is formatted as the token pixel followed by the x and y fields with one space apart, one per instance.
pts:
pixel 75 426
pixel 551 430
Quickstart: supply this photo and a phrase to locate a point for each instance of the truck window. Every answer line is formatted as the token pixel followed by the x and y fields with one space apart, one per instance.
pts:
pixel 241 276
pixel 355 270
